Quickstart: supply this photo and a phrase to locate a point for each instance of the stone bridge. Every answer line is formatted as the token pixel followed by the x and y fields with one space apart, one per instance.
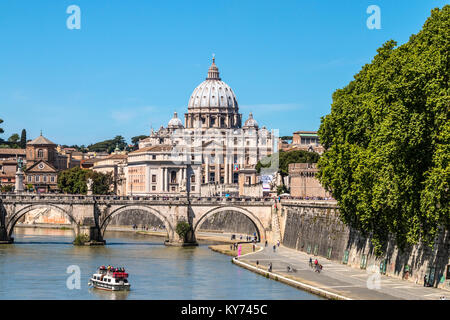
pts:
pixel 90 215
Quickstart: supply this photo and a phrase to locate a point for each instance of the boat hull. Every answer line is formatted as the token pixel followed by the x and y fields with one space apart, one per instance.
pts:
pixel 109 286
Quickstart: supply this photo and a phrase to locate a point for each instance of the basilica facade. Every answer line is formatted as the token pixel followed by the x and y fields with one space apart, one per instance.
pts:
pixel 213 146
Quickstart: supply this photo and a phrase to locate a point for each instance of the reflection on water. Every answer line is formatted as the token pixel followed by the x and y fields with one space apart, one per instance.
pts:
pixel 34 267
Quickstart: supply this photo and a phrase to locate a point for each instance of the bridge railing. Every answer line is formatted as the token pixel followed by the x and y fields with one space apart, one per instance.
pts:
pixel 111 198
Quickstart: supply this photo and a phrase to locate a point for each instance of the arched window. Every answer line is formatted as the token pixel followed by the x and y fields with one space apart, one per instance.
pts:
pixel 173 177
pixel 40 153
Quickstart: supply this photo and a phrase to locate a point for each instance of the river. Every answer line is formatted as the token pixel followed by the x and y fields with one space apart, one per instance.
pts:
pixel 35 267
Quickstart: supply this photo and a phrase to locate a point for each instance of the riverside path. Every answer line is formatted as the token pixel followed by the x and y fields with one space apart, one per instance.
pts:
pixel 340 279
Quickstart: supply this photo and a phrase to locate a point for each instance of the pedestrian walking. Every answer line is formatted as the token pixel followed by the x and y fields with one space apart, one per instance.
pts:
pixel 274 248
pixel 266 243
pixel 253 247
pixel 278 243
pixel 310 262
pixel 425 281
pixel 270 267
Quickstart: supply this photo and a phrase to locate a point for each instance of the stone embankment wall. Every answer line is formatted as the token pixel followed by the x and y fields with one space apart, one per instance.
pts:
pixel 137 217
pixel 316 229
pixel 229 221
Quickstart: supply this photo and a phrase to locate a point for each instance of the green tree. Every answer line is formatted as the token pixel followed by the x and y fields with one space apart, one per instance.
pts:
pixel 14 138
pixel 1 131
pixel 135 141
pixel 74 181
pixel 285 158
pixel 101 182
pixel 109 145
pixel 387 140
pixel 23 139
pixel 182 229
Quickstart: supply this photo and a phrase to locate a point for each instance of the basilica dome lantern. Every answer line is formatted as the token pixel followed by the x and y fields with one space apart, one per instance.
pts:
pixel 175 122
pixel 213 104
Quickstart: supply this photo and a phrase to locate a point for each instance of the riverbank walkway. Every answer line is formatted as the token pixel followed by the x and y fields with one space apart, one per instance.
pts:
pixel 340 279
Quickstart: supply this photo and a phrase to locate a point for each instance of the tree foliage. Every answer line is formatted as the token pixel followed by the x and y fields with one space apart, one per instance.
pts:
pixel 108 145
pixel 285 158
pixel 387 140
pixel 182 229
pixel 74 181
pixel 23 139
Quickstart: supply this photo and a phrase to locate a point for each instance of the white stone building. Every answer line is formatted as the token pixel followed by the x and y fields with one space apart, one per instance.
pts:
pixel 212 145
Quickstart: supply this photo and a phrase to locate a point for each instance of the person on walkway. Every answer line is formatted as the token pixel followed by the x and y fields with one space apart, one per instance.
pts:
pixel 253 247
pixel 257 263
pixel 266 243
pixel 278 243
pixel 425 281
pixel 274 248
pixel 316 262
pixel 270 267
pixel 310 262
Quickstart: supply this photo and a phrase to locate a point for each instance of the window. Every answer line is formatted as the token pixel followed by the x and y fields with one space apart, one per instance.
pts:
pixel 29 178
pixel 193 188
pixel 173 177
pixel 52 179
pixel 37 178
pixel 153 177
pixel 193 178
pixel 173 189
pixel 154 156
pixel 153 188
pixel 44 178
pixel 40 153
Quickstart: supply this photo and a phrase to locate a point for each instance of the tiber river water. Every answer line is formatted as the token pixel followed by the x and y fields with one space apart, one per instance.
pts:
pixel 35 266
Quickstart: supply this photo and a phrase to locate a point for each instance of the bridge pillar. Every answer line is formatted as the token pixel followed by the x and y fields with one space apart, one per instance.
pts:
pixel 88 235
pixel 189 239
pixel 4 238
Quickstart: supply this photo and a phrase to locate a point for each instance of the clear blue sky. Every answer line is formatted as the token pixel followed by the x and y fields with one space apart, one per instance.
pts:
pixel 133 63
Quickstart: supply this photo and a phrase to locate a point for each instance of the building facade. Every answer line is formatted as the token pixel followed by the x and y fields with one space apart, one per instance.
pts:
pixel 303 182
pixel 43 163
pixel 303 140
pixel 213 143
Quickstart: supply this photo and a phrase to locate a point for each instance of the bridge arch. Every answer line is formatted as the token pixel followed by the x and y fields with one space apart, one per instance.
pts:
pixel 148 209
pixel 261 231
pixel 19 214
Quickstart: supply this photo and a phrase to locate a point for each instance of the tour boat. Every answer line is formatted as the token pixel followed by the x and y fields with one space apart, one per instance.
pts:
pixel 110 278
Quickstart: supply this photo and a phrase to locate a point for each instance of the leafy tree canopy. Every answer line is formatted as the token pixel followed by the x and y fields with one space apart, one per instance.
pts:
pixel 23 139
pixel 109 145
pixel 387 140
pixel 74 181
pixel 285 158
